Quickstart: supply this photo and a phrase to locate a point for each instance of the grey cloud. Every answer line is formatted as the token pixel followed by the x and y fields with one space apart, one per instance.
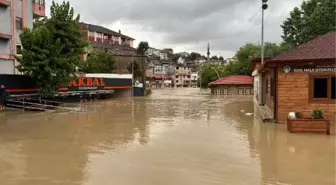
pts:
pixel 220 22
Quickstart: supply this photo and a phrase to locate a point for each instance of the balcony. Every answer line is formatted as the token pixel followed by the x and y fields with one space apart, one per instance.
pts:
pixel 5 3
pixel 38 8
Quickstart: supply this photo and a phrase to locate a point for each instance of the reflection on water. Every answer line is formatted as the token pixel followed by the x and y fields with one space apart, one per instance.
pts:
pixel 174 136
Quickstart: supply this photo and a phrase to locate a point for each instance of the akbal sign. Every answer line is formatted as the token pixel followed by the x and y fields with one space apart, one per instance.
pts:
pixel 317 69
pixel 87 83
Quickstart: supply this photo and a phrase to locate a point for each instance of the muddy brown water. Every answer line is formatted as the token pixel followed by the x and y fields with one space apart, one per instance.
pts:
pixel 173 137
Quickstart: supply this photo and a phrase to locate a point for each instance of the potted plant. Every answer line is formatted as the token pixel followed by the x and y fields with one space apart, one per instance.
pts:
pixel 316 123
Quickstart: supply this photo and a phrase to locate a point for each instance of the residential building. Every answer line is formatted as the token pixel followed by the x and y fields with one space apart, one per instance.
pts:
pixel 182 76
pixel 102 39
pixel 15 15
pixel 152 52
pixel 232 85
pixel 96 33
pixel 301 80
pixel 194 78
pixel 124 54
pixel 163 55
pixel 160 73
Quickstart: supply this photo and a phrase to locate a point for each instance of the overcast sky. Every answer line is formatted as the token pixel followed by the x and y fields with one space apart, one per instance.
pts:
pixel 188 25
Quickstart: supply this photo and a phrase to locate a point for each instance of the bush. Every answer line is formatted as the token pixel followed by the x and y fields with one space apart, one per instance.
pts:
pixel 298 115
pixel 317 114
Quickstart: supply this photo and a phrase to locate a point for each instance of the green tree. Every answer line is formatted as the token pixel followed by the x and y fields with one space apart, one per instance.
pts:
pixel 242 58
pixel 214 58
pixel 312 19
pixel 221 58
pixel 208 73
pixel 99 63
pixel 175 57
pixel 51 50
pixel 194 56
pixel 141 50
pixel 137 71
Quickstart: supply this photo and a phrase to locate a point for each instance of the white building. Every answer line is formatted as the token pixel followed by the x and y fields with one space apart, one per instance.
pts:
pixel 163 56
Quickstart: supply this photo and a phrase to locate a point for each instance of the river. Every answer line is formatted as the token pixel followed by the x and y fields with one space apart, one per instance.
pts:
pixel 172 137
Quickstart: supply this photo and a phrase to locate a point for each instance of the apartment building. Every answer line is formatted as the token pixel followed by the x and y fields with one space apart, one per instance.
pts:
pixel 15 15
pixel 182 76
pixel 96 33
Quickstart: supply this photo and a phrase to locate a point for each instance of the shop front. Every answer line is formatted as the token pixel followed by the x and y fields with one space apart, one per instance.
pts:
pixel 302 80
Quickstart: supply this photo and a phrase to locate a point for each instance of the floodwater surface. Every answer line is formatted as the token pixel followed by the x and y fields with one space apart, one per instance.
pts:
pixel 173 137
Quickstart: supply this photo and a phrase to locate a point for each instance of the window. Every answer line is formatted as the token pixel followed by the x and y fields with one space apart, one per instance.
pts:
pixel 188 76
pixel 19 23
pixel 322 87
pixel 18 49
pixel 177 81
pixel 240 91
pixel 248 91
pixel 176 76
pixel 225 91
pixel 177 68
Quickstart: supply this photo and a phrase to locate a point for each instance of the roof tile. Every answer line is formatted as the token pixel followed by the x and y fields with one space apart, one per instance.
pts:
pixel 233 80
pixel 322 47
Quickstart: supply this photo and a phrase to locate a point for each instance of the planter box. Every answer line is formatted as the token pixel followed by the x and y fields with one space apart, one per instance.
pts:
pixel 308 125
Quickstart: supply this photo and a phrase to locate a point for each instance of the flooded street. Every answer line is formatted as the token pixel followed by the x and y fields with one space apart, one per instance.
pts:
pixel 174 136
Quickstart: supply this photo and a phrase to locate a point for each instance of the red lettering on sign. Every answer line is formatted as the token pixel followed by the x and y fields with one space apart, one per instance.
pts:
pixel 89 82
pixel 102 82
pixel 72 83
pixel 96 82
pixel 81 82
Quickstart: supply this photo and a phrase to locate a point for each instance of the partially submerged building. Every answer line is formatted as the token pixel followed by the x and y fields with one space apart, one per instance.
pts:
pixel 232 85
pixel 300 80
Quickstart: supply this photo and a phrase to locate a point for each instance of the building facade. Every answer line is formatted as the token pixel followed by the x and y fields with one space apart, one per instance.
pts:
pixel 182 77
pixel 15 15
pixel 232 85
pixel 301 80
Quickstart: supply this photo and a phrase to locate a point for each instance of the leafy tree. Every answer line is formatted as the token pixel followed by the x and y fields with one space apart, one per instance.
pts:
pixel 141 50
pixel 214 58
pixel 208 73
pixel 99 63
pixel 175 57
pixel 221 58
pixel 51 50
pixel 194 56
pixel 312 19
pixel 136 67
pixel 241 61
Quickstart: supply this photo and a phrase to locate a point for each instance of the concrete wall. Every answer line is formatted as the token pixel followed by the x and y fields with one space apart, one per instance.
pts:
pixel 6 66
pixel 5 20
pixel 29 14
pixel 5 28
pixel 231 90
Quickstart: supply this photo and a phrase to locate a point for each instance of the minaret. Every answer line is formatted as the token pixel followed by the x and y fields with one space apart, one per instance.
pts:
pixel 208 53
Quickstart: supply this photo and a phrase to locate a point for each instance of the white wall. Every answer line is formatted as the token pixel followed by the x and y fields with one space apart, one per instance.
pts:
pixel 6 66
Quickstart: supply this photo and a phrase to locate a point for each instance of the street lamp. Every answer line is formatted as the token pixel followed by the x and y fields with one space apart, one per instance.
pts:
pixel 264 6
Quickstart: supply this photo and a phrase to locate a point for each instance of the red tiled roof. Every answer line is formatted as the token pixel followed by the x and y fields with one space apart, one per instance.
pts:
pixel 322 47
pixel 233 80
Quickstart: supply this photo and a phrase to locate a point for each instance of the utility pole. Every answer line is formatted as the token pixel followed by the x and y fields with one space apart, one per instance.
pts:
pixel 264 6
pixel 132 76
